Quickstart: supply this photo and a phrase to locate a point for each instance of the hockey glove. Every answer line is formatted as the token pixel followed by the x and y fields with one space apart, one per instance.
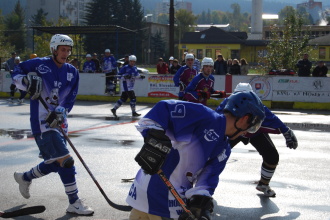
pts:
pixel 128 76
pixel 142 77
pixel 33 84
pixel 182 86
pixel 222 94
pixel 154 151
pixel 56 118
pixel 291 140
pixel 200 206
pixel 203 95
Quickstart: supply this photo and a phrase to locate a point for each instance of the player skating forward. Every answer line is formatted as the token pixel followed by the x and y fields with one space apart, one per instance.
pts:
pixel 128 74
pixel 57 82
pixel 262 142
pixel 189 142
pixel 185 74
pixel 201 87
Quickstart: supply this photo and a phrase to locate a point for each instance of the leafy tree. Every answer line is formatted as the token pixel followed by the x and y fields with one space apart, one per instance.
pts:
pixel 5 47
pixel 185 21
pixel 15 28
pixel 158 45
pixel 287 45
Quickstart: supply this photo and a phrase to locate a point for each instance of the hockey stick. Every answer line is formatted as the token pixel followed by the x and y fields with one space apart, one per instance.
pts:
pixel 219 95
pixel 175 194
pixel 112 204
pixel 24 211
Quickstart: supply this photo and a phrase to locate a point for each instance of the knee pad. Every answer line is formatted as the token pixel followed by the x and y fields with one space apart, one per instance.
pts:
pixel 68 163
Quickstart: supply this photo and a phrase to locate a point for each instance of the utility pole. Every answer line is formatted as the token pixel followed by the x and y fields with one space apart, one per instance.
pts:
pixel 171 43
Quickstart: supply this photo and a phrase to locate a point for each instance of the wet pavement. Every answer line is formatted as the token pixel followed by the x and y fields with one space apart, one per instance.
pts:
pixel 108 147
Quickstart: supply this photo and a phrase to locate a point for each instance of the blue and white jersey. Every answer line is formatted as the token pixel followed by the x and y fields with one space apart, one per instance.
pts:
pixel 109 64
pixel 271 124
pixel 59 88
pixel 199 154
pixel 128 75
pixel 89 66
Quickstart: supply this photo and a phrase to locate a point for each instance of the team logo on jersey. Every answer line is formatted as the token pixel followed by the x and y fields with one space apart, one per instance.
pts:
pixel 42 69
pixel 69 76
pixel 222 156
pixel 211 135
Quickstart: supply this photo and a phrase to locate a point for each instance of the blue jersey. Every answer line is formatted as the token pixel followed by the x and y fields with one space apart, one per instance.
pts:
pixel 89 66
pixel 109 64
pixel 272 124
pixel 128 74
pixel 59 88
pixel 199 154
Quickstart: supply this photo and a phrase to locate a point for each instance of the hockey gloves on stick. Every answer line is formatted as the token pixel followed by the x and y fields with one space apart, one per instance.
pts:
pixel 154 151
pixel 56 118
pixel 221 94
pixel 203 95
pixel 291 140
pixel 33 84
pixel 200 206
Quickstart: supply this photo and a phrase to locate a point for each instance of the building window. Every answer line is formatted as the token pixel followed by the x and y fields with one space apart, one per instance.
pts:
pixel 199 53
pixel 208 52
pixel 235 54
pixel 322 52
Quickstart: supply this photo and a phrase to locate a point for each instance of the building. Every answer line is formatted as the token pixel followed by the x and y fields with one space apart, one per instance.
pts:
pixel 163 7
pixel 74 10
pixel 313 8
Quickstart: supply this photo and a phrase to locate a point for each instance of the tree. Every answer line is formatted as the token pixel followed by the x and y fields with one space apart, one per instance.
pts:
pixel 158 44
pixel 185 21
pixel 287 45
pixel 15 29
pixel 5 47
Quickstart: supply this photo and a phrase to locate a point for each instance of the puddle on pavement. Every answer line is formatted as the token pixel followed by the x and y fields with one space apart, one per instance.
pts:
pixel 309 127
pixel 16 134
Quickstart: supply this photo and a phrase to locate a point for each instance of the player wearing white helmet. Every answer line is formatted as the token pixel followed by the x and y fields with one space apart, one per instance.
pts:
pixel 109 67
pixel 185 74
pixel 89 65
pixel 201 87
pixel 262 142
pixel 128 74
pixel 57 82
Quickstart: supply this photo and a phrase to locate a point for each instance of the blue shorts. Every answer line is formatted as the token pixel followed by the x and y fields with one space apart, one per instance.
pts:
pixel 52 146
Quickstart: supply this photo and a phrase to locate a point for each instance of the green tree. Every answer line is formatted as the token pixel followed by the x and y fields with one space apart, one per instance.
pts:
pixel 287 45
pixel 5 47
pixel 158 45
pixel 185 21
pixel 15 28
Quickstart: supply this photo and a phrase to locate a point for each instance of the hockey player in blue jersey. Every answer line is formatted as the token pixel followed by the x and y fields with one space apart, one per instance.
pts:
pixel 109 67
pixel 189 143
pixel 56 82
pixel 262 142
pixel 128 74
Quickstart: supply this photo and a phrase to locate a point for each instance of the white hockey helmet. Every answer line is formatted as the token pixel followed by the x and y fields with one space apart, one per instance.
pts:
pixel 88 55
pixel 17 58
pixel 171 58
pixel 207 61
pixel 132 58
pixel 189 56
pixel 58 40
pixel 243 87
pixel 107 51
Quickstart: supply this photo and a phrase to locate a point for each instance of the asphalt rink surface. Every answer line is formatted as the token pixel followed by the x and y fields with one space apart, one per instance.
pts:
pixel 108 147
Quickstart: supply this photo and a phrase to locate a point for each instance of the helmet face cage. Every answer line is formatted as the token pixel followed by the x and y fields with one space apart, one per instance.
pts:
pixel 60 40
pixel 247 103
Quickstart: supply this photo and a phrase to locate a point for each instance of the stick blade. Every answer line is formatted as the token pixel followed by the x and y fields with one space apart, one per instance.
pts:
pixel 24 211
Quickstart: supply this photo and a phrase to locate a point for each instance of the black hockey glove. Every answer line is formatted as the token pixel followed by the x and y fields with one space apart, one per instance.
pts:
pixel 56 118
pixel 128 76
pixel 33 84
pixel 154 151
pixel 203 95
pixel 291 140
pixel 200 206
pixel 142 77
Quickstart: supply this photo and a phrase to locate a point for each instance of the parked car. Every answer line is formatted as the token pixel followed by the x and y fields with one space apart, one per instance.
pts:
pixel 282 72
pixel 121 61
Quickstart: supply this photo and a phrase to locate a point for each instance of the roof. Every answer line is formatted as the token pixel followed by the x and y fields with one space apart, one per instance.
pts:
pixel 321 41
pixel 88 29
pixel 214 35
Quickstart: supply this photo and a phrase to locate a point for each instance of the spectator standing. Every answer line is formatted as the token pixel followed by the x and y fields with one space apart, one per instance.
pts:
pixel 183 62
pixel 74 62
pixel 244 67
pixel 304 66
pixel 201 86
pixel 235 69
pixel 184 75
pixel 128 74
pixel 89 65
pixel 170 62
pixel 320 70
pixel 175 67
pixel 97 63
pixel 162 67
pixel 220 66
pixel 10 63
pixel 110 69
pixel 229 65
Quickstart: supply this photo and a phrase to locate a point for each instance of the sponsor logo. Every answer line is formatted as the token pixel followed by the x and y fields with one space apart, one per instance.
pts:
pixel 42 69
pixel 318 84
pixel 211 135
pixel 261 86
